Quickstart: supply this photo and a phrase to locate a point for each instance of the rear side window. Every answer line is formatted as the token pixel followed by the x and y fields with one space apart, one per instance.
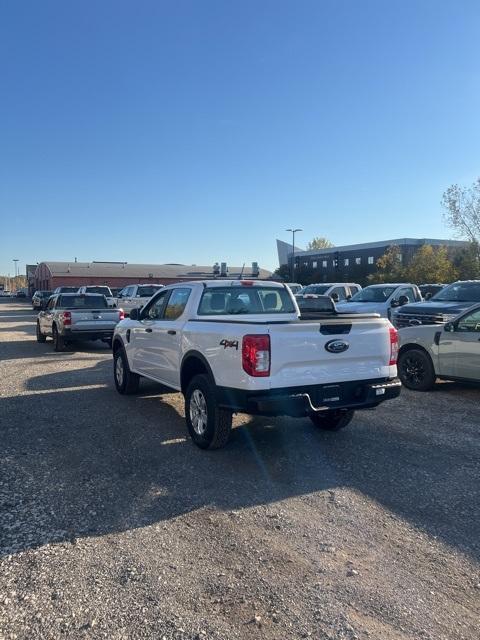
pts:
pixel 244 300
pixel 81 302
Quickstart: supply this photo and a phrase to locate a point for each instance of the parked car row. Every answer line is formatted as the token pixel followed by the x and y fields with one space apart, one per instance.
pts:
pixel 253 347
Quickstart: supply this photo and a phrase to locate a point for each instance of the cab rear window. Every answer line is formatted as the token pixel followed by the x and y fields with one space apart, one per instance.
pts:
pixel 82 302
pixel 245 300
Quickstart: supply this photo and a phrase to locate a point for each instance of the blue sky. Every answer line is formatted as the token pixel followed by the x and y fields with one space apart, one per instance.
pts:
pixel 198 130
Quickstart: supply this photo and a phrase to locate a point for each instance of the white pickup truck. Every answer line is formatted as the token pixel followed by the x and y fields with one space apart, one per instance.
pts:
pixel 242 346
pixel 136 295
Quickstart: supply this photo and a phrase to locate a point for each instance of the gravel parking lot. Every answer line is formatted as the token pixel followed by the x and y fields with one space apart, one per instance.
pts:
pixel 114 525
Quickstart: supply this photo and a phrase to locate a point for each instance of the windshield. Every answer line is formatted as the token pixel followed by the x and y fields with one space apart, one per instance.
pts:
pixel 245 300
pixel 373 294
pixel 105 291
pixel 81 302
pixel 316 289
pixel 459 292
pixel 147 291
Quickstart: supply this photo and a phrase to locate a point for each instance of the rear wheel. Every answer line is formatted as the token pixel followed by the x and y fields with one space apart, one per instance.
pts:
pixel 332 420
pixel 126 382
pixel 209 426
pixel 58 340
pixel 416 371
pixel 40 336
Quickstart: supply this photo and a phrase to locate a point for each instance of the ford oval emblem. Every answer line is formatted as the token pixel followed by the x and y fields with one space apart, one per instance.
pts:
pixel 336 346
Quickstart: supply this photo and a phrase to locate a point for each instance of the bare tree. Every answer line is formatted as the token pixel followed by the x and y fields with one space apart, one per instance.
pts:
pixel 462 210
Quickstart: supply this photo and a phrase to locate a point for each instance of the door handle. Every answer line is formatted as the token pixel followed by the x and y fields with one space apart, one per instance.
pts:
pixel 149 330
pixel 171 332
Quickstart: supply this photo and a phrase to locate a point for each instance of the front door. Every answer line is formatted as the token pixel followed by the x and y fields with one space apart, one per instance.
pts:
pixel 157 337
pixel 467 342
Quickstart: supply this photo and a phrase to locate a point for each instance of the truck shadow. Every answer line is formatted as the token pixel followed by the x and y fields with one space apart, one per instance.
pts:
pixel 88 462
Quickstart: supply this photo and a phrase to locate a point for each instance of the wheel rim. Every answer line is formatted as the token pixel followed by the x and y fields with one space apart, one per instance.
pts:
pixel 119 371
pixel 413 370
pixel 198 412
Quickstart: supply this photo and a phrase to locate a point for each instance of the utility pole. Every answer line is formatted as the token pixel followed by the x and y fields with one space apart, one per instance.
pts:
pixel 294 231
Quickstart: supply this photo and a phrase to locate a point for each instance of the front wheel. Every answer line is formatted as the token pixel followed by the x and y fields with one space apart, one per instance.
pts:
pixel 416 371
pixel 333 419
pixel 208 425
pixel 40 336
pixel 126 382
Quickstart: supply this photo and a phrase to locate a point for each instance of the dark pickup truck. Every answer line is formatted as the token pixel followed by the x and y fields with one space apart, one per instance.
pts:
pixel 444 306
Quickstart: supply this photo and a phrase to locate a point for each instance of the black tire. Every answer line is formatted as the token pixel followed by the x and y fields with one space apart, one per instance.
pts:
pixel 332 420
pixel 126 382
pixel 208 425
pixel 40 336
pixel 58 340
pixel 416 371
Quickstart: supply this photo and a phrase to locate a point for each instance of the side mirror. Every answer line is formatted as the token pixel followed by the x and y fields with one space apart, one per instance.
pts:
pixel 335 297
pixel 394 303
pixel 349 297
pixel 403 300
pixel 134 314
pixel 428 296
pixel 449 327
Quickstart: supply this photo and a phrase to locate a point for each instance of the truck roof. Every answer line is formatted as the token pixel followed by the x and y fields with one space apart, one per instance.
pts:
pixel 247 282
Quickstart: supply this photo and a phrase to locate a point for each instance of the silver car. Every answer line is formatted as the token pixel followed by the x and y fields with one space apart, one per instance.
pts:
pixel 451 352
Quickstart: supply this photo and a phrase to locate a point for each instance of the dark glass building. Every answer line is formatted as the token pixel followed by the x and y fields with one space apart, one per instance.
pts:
pixel 354 262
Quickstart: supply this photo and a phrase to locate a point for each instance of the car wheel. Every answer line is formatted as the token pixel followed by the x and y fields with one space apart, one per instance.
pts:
pixel 40 336
pixel 332 420
pixel 416 371
pixel 208 425
pixel 126 382
pixel 58 341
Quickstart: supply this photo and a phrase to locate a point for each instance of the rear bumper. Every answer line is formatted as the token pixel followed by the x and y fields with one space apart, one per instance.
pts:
pixel 106 334
pixel 303 401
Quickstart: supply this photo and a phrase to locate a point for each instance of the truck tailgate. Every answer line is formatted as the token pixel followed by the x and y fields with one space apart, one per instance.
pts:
pixel 304 353
pixel 95 319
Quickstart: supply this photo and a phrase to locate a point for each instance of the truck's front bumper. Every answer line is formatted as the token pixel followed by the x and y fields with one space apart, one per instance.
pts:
pixel 303 401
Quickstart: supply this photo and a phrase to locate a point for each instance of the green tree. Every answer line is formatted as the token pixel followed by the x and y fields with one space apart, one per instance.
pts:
pixel 467 261
pixel 283 272
pixel 319 243
pixel 431 265
pixel 462 210
pixel 389 267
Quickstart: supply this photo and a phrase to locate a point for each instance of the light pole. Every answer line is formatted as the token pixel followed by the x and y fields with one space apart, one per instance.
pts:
pixel 294 231
pixel 15 260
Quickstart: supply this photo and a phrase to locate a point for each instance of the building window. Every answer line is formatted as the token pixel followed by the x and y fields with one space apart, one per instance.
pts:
pixel 346 262
pixel 324 264
pixel 314 264
pixel 358 261
pixel 370 259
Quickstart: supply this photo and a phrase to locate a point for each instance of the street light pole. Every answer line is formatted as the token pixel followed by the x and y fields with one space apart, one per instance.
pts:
pixel 294 231
pixel 15 260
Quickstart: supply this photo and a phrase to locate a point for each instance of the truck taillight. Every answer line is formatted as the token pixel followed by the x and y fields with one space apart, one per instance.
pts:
pixel 393 346
pixel 121 314
pixel 256 355
pixel 67 318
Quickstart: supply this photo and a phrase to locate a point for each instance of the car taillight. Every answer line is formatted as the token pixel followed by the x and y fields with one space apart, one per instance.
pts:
pixel 393 346
pixel 256 355
pixel 121 314
pixel 67 318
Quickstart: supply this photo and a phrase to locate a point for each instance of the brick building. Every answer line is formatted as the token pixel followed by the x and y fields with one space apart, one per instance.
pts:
pixel 49 275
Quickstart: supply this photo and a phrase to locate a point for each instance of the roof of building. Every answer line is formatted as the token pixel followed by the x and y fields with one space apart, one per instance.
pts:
pixel 374 245
pixel 140 271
